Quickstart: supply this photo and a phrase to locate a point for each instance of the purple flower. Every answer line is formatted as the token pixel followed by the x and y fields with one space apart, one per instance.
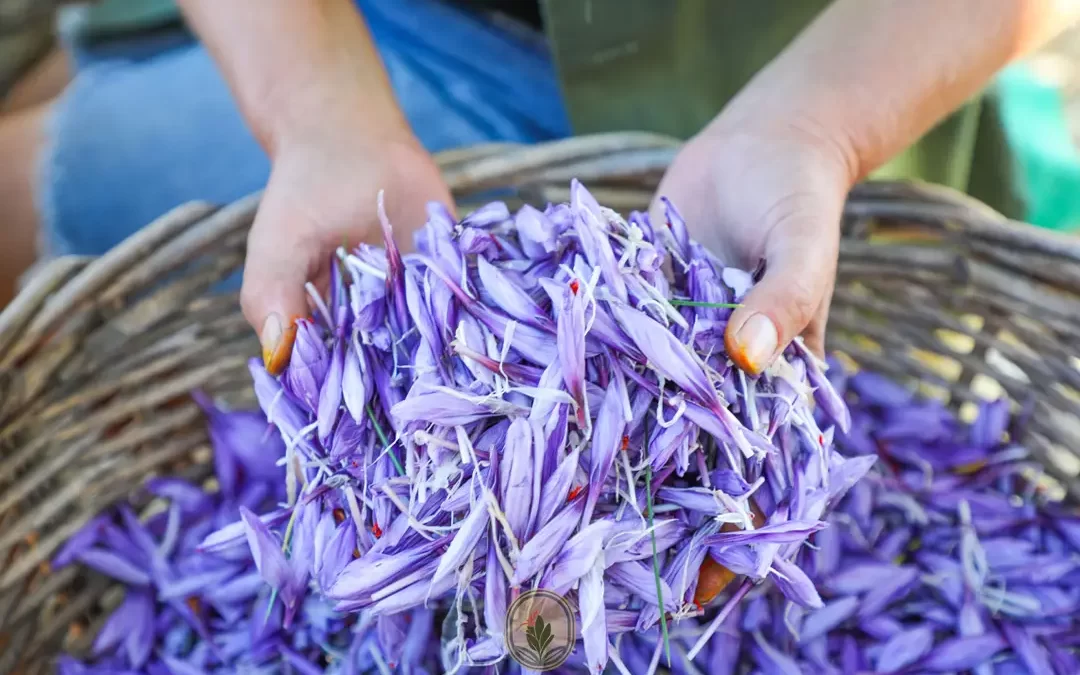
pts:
pixel 905 648
pixel 333 550
pixel 487 216
pixel 962 653
pixel 606 441
pixel 112 565
pixel 274 568
pixel 826 397
pixel 777 533
pixel 638 578
pixel 370 572
pixel 772 659
pixel 536 233
pixel 547 542
pixel 448 407
pixel 463 544
pixel 881 627
pixel 131 627
pixel 356 383
pixel 889 591
pixel 861 578
pixel 701 500
pixel 1033 655
pixel 308 365
pixel 510 297
pixel 330 395
pixel 517 476
pixel 990 425
pixel 594 631
pixel 279 409
pixel 495 593
pixel 665 353
pixel 580 554
pixel 555 491
pixel 570 336
pixel 630 541
pixel 821 621
pixel 592 231
pixel 875 389
pixel 794 584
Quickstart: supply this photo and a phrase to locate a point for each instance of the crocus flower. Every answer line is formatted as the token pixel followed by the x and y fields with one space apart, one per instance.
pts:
pixel 308 365
pixel 593 619
pixel 547 542
pixel 580 554
pixel 606 441
pixel 517 481
pixel 905 648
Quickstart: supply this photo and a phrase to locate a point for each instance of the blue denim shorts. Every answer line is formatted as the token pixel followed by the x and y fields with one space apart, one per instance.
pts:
pixel 149 124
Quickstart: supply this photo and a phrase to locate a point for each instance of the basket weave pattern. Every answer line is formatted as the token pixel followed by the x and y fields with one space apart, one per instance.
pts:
pixel 98 356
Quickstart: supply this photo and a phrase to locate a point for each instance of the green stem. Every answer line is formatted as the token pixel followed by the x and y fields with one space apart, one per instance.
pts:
pixel 270 606
pixel 655 555
pixel 385 441
pixel 697 303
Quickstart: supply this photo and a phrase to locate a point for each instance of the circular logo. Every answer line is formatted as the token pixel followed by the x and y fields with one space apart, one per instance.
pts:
pixel 540 630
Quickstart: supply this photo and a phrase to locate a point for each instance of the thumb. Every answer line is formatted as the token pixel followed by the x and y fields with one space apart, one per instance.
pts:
pixel 272 297
pixel 800 266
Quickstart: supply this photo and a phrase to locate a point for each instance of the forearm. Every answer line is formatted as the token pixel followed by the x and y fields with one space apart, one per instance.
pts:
pixel 293 65
pixel 869 78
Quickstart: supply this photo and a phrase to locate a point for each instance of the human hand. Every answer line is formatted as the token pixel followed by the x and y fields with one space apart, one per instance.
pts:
pixel 321 195
pixel 773 192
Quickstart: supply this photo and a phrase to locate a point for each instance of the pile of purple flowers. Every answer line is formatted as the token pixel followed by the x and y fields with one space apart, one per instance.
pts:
pixel 948 557
pixel 952 556
pixel 193 609
pixel 542 400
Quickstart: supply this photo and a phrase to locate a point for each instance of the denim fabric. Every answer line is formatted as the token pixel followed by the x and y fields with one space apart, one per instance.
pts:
pixel 141 131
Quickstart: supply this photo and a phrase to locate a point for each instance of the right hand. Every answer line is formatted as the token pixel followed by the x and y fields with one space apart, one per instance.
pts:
pixel 321 195
pixel 774 192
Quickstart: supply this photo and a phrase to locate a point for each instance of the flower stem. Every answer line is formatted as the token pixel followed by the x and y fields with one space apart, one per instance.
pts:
pixel 385 441
pixel 698 303
pixel 655 557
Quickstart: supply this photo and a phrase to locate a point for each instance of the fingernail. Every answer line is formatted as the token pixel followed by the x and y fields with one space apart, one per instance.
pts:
pixel 274 348
pixel 754 344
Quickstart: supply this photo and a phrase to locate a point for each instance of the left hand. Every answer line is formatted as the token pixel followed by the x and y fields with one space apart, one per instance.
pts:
pixel 322 194
pixel 766 191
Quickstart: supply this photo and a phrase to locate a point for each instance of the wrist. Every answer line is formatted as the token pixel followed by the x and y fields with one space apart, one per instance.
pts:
pixel 788 124
pixel 330 77
pixel 326 105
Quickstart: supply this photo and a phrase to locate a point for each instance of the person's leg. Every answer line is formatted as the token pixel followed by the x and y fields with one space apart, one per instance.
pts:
pixel 42 84
pixel 21 136
pixel 466 81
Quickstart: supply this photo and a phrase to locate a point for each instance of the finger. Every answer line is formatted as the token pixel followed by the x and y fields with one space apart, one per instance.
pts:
pixel 814 335
pixel 273 296
pixel 801 263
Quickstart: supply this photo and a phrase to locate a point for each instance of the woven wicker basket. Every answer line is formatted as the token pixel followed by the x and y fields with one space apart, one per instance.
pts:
pixel 96 370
